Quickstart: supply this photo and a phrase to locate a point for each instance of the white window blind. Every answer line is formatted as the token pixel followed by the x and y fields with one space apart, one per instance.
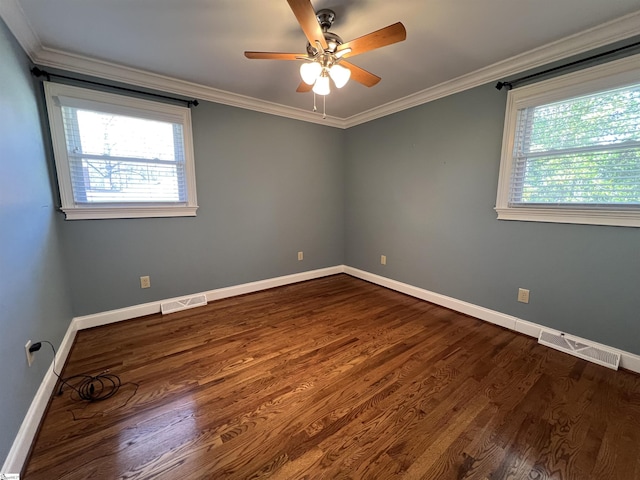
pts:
pixel 114 158
pixel 583 151
pixel 571 148
pixel 120 157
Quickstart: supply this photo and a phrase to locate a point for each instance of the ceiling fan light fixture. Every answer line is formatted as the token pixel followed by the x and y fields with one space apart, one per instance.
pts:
pixel 322 86
pixel 310 71
pixel 340 75
pixel 326 49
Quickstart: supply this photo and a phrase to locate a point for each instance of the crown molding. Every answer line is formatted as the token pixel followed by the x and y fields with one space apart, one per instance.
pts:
pixel 599 36
pixel 596 37
pixel 13 15
pixel 49 57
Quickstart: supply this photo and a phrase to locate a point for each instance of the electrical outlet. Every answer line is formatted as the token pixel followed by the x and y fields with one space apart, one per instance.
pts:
pixel 300 256
pixel 383 259
pixel 145 282
pixel 523 295
pixel 30 356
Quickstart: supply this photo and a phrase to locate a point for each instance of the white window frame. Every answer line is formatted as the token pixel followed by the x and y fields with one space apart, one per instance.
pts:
pixel 611 75
pixel 123 105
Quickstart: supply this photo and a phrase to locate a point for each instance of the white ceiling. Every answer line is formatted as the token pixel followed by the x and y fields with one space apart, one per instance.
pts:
pixel 202 41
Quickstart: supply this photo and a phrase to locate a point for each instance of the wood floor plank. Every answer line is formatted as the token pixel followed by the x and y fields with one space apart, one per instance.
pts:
pixel 336 378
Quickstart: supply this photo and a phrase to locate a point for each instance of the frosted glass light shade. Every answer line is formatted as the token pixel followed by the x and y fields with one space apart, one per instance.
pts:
pixel 340 75
pixel 310 71
pixel 322 86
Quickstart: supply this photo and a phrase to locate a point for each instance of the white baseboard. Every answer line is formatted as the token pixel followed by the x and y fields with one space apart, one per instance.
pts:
pixel 22 443
pixel 629 361
pixel 482 313
pixel 27 432
pixel 272 283
pixel 112 316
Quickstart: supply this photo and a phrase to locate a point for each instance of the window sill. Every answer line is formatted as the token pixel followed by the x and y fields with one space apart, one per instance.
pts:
pixel 583 216
pixel 97 213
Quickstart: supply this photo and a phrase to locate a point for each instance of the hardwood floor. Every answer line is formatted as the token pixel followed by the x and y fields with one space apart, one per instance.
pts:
pixel 336 378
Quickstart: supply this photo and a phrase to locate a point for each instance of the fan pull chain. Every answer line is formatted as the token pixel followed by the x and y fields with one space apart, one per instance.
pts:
pixel 324 105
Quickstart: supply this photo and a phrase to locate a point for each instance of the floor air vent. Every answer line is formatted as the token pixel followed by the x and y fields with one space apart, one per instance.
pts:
pixel 183 304
pixel 580 349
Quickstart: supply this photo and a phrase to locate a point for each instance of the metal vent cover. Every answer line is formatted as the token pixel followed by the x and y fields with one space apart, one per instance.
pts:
pixel 183 304
pixel 580 349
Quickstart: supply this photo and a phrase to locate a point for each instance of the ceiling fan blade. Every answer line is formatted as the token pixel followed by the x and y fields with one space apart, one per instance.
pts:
pixel 380 38
pixel 304 87
pixel 360 75
pixel 306 15
pixel 275 55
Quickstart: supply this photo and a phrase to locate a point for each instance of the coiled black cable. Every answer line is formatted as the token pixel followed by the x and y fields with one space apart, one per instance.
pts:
pixel 94 388
pixel 91 388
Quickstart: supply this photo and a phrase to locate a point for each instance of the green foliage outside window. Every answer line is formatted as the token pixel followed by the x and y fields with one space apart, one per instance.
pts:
pixel 583 150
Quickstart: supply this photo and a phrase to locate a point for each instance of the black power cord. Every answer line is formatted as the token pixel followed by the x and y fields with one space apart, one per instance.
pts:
pixel 91 388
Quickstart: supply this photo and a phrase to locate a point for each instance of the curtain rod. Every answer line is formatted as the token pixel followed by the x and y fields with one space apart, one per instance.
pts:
pixel 37 72
pixel 514 83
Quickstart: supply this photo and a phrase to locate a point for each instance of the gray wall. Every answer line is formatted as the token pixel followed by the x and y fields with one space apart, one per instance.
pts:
pixel 266 191
pixel 34 303
pixel 421 187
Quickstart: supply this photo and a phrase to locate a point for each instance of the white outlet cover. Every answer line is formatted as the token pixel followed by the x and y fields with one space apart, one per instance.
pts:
pixel 29 354
pixel 523 295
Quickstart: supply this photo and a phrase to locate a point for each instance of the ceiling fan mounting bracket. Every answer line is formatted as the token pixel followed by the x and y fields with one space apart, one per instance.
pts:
pixel 325 17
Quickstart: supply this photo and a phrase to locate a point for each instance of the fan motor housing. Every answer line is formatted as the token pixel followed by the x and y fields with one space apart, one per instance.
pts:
pixel 333 40
pixel 325 18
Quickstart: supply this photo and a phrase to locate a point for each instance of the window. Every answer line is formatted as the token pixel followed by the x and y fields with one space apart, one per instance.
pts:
pixel 120 157
pixel 571 148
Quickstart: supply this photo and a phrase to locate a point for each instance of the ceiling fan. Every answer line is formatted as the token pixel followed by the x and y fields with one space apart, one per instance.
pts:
pixel 326 52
